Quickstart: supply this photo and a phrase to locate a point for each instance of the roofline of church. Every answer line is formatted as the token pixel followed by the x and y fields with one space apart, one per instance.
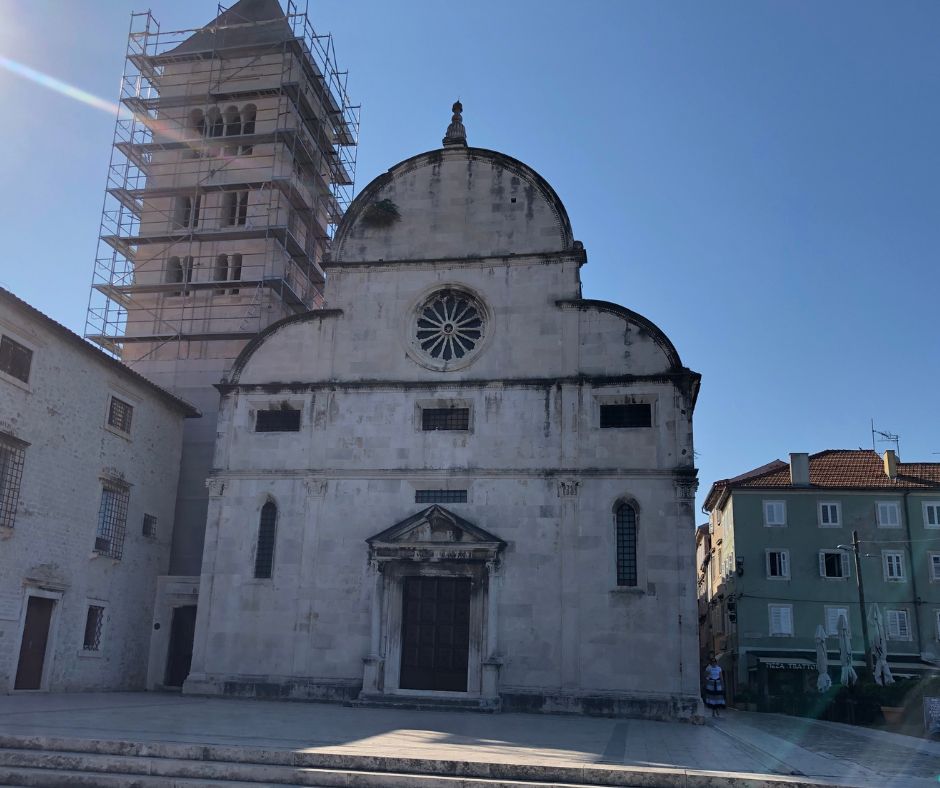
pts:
pixel 365 197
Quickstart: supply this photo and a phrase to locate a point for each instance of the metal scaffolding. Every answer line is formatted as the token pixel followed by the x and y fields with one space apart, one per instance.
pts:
pixel 234 158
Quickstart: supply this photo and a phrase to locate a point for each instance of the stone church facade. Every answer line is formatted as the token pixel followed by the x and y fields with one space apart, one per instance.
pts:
pixel 458 481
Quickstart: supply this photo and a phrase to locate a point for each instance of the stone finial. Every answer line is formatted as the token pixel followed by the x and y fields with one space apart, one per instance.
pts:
pixel 456 133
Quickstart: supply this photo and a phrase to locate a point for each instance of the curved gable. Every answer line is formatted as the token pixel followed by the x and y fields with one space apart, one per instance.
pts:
pixel 610 347
pixel 453 203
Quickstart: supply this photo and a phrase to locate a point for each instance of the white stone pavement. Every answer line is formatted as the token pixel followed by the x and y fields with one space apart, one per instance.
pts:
pixel 738 742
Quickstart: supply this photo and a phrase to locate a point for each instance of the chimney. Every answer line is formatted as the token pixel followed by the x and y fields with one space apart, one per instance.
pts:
pixel 799 469
pixel 891 464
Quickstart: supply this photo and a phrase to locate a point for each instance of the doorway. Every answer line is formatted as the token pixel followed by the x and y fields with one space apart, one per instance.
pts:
pixel 435 634
pixel 180 653
pixel 32 659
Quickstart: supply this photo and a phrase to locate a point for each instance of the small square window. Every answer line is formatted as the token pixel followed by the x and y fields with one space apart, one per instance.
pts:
pixel 833 564
pixel 778 564
pixel 830 515
pixel 898 625
pixel 120 414
pixel 93 622
pixel 15 359
pixel 781 620
pixel 893 563
pixel 833 614
pixel 775 513
pixel 445 419
pixel 932 514
pixel 150 526
pixel 629 415
pixel 888 514
pixel 440 496
pixel 278 420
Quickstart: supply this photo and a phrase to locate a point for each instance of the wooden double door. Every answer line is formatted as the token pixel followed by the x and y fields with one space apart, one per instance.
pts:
pixel 435 637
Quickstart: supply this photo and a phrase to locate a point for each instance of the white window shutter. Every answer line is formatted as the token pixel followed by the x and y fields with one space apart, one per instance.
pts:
pixel 776 620
pixel 832 621
pixel 845 564
pixel 784 564
pixel 904 627
pixel 893 624
pixel 822 564
pixel 786 620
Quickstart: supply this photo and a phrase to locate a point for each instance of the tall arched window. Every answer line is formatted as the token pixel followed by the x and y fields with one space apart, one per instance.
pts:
pixel 626 545
pixel 174 273
pixel 249 111
pixel 235 271
pixel 184 211
pixel 197 130
pixel 264 555
pixel 215 127
pixel 233 128
pixel 221 268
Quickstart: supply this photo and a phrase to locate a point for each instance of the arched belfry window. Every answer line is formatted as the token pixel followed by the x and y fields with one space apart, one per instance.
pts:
pixel 625 517
pixel 264 555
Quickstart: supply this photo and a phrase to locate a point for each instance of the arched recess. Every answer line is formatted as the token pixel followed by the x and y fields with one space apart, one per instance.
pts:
pixel 233 128
pixel 267 533
pixel 249 114
pixel 626 541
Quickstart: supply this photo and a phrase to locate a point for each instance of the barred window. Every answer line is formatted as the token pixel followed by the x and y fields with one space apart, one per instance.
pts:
pixel 264 555
pixel 445 418
pixel 93 621
pixel 150 526
pixel 440 496
pixel 278 420
pixel 635 415
pixel 626 545
pixel 15 359
pixel 120 414
pixel 112 520
pixel 12 454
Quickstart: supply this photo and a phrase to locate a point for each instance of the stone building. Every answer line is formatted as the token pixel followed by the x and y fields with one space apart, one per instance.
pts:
pixel 89 461
pixel 457 480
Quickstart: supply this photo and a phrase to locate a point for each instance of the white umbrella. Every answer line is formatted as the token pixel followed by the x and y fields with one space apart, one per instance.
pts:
pixel 849 676
pixel 823 682
pixel 879 647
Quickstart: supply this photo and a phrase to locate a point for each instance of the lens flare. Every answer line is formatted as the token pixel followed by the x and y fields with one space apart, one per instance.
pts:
pixel 57 85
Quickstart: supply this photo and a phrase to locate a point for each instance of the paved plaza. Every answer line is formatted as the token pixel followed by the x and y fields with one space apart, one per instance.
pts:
pixel 738 743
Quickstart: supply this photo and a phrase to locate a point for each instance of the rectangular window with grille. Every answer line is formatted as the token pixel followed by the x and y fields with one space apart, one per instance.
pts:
pixel 12 454
pixel 120 414
pixel 632 415
pixel 15 359
pixel 112 520
pixel 440 496
pixel 278 420
pixel 445 419
pixel 93 622
pixel 150 526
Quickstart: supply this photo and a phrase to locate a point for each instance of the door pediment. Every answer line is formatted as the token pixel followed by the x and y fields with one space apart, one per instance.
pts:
pixel 435 534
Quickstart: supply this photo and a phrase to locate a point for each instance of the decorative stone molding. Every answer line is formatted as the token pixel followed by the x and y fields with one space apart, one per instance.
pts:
pixel 567 488
pixel 216 487
pixel 316 488
pixel 686 487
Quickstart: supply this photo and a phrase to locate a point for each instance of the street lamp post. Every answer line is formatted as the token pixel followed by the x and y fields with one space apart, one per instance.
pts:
pixel 854 547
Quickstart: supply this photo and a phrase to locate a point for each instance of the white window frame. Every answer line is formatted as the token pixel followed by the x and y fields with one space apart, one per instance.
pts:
pixel 883 521
pixel 887 557
pixel 784 563
pixel 769 507
pixel 895 617
pixel 933 566
pixel 832 613
pixel 937 621
pixel 844 563
pixel 838 512
pixel 788 617
pixel 935 507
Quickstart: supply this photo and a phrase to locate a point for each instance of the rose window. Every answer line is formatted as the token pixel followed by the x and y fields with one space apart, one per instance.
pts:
pixel 449 325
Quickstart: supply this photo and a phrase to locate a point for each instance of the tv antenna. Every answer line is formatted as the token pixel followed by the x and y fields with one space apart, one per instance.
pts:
pixel 885 437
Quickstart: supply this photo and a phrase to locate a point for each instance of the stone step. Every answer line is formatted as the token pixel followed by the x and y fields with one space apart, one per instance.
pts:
pixel 424 704
pixel 82 762
pixel 55 769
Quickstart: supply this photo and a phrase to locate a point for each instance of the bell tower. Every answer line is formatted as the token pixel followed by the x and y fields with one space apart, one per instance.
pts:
pixel 233 160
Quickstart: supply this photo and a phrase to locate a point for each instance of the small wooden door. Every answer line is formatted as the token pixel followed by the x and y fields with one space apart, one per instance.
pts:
pixel 435 638
pixel 33 645
pixel 180 653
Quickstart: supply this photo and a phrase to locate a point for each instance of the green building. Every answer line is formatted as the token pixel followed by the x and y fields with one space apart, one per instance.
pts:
pixel 775 560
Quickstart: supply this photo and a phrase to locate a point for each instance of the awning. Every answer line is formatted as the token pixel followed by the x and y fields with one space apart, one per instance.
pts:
pixel 786 663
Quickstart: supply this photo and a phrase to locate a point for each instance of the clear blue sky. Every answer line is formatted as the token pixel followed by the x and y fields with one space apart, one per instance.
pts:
pixel 760 179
